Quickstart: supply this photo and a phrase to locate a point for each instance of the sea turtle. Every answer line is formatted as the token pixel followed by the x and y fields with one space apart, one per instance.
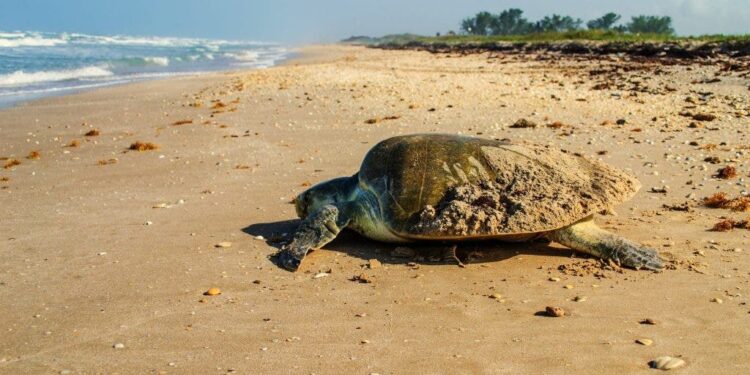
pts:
pixel 434 187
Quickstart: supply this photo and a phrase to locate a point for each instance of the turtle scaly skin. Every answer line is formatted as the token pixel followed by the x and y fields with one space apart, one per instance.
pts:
pixel 454 188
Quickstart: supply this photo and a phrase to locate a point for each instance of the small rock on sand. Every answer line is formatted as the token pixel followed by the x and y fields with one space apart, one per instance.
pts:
pixel 320 275
pixel 212 292
pixel 374 263
pixel 645 342
pixel 119 345
pixel 554 311
pixel 362 278
pixel 224 244
pixel 666 363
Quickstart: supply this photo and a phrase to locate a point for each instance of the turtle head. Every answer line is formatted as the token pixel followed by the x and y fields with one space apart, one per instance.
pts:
pixel 338 190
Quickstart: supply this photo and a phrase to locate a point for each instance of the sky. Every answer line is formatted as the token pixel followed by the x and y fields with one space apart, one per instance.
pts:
pixel 305 21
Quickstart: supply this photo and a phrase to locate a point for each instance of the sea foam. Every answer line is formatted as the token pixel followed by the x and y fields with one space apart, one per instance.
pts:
pixel 29 41
pixel 161 61
pixel 20 78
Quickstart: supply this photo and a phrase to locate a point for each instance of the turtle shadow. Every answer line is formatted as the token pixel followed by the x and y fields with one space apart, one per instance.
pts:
pixel 348 242
pixel 275 234
pixel 468 252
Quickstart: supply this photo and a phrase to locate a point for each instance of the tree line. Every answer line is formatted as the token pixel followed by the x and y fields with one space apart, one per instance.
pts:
pixel 512 22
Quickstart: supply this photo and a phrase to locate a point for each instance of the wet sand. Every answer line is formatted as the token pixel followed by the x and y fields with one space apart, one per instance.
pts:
pixel 105 252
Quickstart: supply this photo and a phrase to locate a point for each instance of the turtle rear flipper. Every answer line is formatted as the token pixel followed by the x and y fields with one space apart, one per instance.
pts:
pixel 316 230
pixel 587 237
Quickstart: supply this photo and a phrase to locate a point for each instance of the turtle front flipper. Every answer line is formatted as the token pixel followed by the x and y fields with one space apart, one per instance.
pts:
pixel 587 237
pixel 316 230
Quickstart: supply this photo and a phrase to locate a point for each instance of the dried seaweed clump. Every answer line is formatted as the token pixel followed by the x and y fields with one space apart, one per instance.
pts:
pixel 380 119
pixel 108 161
pixel 11 163
pixel 92 133
pixel 726 172
pixel 720 200
pixel 524 123
pixel 723 226
pixel 704 117
pixel 182 122
pixel 73 143
pixel 726 225
pixel 34 155
pixel 143 146
pixel 712 160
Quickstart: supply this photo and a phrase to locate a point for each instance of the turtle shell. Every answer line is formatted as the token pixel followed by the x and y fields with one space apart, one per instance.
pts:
pixel 433 186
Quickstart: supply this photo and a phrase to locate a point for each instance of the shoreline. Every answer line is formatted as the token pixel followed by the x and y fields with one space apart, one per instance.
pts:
pixel 292 55
pixel 124 205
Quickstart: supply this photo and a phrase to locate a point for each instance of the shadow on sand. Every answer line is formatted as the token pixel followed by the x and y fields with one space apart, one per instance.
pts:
pixel 276 234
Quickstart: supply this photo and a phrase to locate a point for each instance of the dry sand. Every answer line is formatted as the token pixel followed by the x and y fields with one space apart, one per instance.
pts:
pixel 103 267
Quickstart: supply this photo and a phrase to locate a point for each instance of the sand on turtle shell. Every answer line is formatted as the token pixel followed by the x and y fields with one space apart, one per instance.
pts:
pixel 535 189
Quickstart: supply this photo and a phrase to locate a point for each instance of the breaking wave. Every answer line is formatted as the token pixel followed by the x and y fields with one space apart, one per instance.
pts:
pixel 21 78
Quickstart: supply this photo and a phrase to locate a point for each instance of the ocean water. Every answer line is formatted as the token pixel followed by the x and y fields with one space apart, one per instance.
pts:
pixel 36 64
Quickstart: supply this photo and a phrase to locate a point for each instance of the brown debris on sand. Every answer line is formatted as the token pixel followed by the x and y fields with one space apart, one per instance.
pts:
pixel 143 146
pixel 34 155
pixel 92 133
pixel 74 143
pixel 726 172
pixel 723 226
pixel 376 120
pixel 523 123
pixel 11 163
pixel 704 117
pixel 684 206
pixel 107 161
pixel 182 122
pixel 720 200
pixel 726 225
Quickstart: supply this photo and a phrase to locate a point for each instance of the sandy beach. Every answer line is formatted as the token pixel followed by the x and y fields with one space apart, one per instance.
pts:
pixel 106 252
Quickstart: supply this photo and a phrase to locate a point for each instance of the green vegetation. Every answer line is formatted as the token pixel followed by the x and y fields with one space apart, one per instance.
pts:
pixel 512 22
pixel 511 26
pixel 651 24
pixel 605 22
